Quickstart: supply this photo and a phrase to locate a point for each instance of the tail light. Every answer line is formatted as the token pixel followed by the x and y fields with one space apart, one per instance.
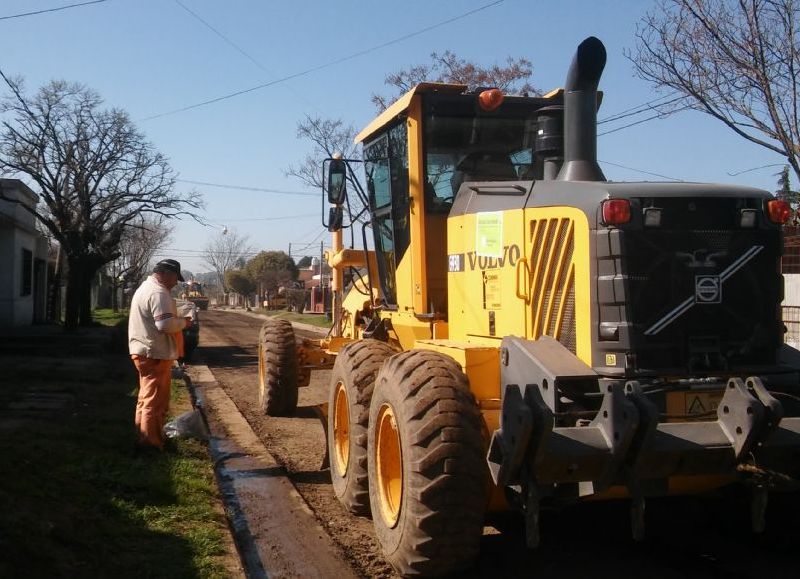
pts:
pixel 616 211
pixel 779 211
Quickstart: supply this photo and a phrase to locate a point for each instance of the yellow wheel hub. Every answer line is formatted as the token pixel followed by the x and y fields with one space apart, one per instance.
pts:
pixel 341 429
pixel 389 461
pixel 261 369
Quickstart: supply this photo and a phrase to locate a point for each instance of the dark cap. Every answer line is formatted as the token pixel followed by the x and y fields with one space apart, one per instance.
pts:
pixel 169 265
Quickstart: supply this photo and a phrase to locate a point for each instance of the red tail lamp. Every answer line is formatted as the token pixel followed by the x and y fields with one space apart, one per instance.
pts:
pixel 491 99
pixel 779 211
pixel 616 211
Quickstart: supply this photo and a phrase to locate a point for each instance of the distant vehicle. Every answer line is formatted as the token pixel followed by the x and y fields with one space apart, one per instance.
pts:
pixel 191 335
pixel 194 293
pixel 276 301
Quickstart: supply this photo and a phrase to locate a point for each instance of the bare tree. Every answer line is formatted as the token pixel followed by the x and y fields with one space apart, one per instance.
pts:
pixel 137 247
pixel 94 172
pixel 327 137
pixel 736 60
pixel 511 78
pixel 225 252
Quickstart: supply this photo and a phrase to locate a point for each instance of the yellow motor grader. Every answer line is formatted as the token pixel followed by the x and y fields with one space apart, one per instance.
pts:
pixel 194 293
pixel 525 333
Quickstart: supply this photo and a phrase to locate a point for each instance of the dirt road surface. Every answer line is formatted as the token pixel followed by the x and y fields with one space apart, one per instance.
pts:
pixel 686 537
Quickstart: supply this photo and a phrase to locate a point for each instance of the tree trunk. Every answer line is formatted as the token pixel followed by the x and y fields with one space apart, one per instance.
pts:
pixel 79 294
pixel 72 309
pixel 86 295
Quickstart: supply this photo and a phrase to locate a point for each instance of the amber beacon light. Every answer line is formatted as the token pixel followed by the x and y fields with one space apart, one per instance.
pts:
pixel 491 99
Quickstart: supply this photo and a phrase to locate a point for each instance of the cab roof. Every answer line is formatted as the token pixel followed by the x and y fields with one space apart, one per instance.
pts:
pixel 401 105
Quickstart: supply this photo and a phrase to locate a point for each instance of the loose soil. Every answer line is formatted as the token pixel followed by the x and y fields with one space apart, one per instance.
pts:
pixel 687 537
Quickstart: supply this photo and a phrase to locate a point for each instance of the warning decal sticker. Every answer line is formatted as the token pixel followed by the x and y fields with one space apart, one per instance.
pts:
pixel 489 234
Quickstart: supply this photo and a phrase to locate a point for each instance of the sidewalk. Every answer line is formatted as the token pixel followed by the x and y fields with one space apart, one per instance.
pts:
pixel 276 532
pixel 75 500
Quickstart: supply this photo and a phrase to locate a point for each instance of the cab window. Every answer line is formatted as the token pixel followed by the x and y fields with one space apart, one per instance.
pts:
pixel 386 165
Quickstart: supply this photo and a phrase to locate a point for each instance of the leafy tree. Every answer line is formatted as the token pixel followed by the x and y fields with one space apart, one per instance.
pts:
pixel 447 67
pixel 240 282
pixel 95 174
pixel 304 262
pixel 225 252
pixel 785 192
pixel 271 270
pixel 735 61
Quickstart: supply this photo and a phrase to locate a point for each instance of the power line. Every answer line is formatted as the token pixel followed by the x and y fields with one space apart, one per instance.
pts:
pixel 51 9
pixel 177 252
pixel 243 188
pixel 327 64
pixel 239 49
pixel 655 100
pixel 756 169
pixel 639 170
pixel 305 236
pixel 639 122
pixel 227 40
pixel 644 107
pixel 270 218
pixel 320 234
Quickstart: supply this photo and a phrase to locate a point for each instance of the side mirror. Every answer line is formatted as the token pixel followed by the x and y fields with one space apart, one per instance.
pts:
pixel 335 216
pixel 337 187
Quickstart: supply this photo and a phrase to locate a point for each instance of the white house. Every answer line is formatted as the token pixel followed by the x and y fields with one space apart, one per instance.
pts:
pixel 23 258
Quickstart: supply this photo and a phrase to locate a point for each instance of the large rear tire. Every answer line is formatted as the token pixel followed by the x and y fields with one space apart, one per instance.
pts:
pixel 426 466
pixel 352 384
pixel 277 368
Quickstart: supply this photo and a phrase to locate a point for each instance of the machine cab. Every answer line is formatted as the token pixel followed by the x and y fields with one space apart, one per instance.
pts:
pixel 417 155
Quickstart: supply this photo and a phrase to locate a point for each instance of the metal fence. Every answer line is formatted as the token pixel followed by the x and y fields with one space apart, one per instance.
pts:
pixel 791 250
pixel 791 319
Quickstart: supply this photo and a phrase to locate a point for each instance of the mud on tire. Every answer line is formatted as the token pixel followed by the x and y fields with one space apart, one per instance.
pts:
pixel 353 380
pixel 277 368
pixel 432 526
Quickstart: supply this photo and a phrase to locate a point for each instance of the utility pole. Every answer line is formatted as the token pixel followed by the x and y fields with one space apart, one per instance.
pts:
pixel 321 257
pixel 321 286
pixel 290 249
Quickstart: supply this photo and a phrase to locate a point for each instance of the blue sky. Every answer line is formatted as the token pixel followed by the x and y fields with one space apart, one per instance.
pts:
pixel 152 56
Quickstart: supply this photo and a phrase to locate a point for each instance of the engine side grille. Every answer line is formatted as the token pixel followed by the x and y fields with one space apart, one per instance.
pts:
pixel 552 280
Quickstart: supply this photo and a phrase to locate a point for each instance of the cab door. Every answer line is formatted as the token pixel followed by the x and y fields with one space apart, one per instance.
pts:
pixel 386 166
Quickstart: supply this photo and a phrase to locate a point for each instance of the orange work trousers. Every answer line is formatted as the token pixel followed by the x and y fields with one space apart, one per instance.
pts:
pixel 155 380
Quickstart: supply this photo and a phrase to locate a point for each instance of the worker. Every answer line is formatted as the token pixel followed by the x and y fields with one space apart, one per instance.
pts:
pixel 153 342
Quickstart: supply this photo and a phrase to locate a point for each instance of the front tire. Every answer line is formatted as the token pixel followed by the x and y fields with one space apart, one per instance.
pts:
pixel 352 384
pixel 427 472
pixel 277 368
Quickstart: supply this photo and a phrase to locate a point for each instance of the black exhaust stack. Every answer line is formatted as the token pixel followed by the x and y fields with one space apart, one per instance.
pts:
pixel 580 113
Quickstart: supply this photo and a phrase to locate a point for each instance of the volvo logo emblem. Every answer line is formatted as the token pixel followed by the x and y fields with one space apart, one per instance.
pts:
pixel 707 289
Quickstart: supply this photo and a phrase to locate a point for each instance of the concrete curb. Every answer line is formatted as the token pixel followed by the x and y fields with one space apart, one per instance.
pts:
pixel 285 541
